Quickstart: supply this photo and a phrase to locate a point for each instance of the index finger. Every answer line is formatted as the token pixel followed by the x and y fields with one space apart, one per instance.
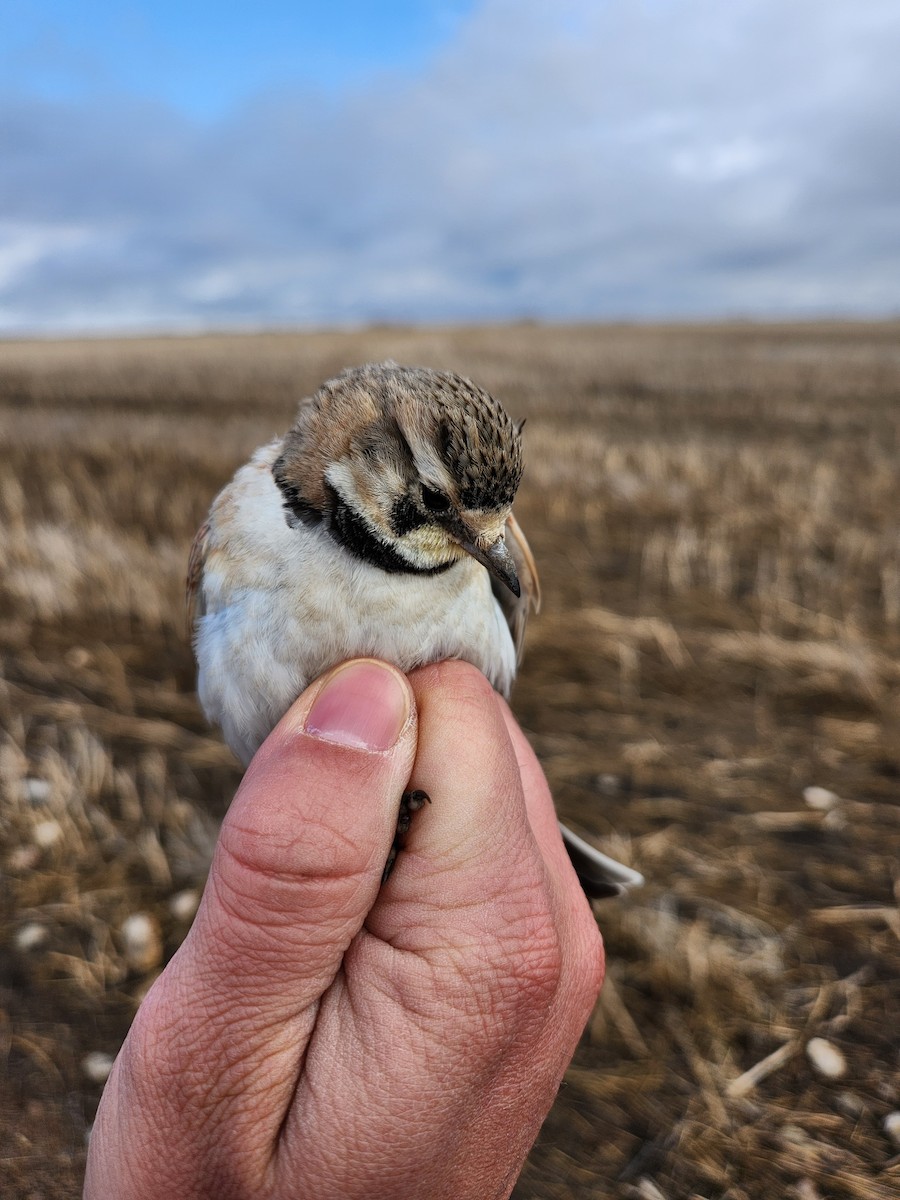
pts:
pixel 539 804
pixel 470 854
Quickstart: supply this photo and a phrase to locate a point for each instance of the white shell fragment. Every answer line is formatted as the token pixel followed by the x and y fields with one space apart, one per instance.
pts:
pixel 31 936
pixel 141 942
pixel 820 798
pixel 648 1190
pixel 96 1066
pixel 892 1127
pixel 826 1059
pixel 807 1190
pixel 46 834
pixel 609 785
pixel 36 791
pixel 23 858
pixel 183 905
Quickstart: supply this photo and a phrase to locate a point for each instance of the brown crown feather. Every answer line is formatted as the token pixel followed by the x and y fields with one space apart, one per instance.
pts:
pixel 478 442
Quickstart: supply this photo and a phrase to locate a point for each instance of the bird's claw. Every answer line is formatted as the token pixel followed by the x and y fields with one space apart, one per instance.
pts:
pixel 410 802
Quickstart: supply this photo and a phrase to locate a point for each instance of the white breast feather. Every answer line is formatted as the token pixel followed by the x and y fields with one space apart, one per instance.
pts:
pixel 287 604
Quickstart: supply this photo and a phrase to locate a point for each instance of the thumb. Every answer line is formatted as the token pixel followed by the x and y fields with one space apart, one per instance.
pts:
pixel 296 870
pixel 302 848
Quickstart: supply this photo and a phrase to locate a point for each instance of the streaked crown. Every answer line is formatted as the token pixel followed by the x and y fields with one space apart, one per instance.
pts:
pixel 478 444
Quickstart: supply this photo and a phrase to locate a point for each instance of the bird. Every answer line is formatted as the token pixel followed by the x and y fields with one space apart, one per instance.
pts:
pixel 380 525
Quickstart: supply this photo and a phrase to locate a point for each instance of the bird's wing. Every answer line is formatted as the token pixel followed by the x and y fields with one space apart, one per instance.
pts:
pixel 515 609
pixel 193 587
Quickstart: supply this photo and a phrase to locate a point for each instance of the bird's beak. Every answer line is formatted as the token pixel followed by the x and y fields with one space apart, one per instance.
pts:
pixel 498 561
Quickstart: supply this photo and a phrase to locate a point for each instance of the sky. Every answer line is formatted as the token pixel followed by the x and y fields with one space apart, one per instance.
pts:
pixel 198 165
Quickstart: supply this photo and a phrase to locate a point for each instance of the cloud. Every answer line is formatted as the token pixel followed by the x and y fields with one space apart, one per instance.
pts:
pixel 564 160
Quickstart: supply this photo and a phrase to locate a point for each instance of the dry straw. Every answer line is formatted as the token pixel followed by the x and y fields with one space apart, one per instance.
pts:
pixel 714 511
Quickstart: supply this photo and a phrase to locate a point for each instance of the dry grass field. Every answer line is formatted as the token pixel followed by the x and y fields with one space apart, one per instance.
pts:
pixel 716 514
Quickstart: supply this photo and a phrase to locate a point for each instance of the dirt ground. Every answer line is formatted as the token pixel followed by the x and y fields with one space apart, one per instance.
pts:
pixel 713 687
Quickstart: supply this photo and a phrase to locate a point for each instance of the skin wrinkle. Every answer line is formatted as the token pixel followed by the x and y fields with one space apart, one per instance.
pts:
pixel 392 1157
pixel 264 944
pixel 533 983
pixel 319 886
pixel 264 887
pixel 230 1109
pixel 304 1080
pixel 474 965
pixel 369 1101
pixel 242 1004
pixel 422 1043
pixel 312 859
pixel 276 1041
pixel 471 916
pixel 448 1108
pixel 333 848
pixel 175 1056
pixel 412 996
pixel 437 906
pixel 317 850
pixel 198 1133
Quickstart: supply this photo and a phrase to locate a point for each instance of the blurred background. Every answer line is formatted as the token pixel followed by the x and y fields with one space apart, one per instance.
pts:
pixel 668 233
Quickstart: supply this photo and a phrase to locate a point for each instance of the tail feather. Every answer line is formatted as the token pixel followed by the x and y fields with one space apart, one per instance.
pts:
pixel 599 875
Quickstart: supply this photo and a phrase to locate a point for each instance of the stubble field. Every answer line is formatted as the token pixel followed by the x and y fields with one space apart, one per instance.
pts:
pixel 714 511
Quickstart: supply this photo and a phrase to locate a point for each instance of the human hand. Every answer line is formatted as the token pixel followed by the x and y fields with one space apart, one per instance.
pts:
pixel 318 1035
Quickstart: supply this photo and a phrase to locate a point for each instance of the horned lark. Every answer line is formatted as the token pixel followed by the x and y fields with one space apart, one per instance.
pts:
pixel 381 525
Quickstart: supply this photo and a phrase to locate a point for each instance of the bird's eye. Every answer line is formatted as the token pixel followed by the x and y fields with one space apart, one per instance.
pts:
pixel 435 502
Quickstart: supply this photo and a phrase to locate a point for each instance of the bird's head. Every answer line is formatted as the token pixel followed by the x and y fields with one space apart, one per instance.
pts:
pixel 410 468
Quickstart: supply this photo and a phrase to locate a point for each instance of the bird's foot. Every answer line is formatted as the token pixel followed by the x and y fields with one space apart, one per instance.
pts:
pixel 410 802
